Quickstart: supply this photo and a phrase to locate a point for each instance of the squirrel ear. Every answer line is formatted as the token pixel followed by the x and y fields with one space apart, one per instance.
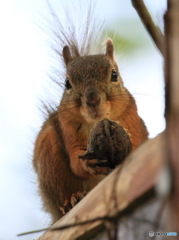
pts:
pixel 110 48
pixel 67 55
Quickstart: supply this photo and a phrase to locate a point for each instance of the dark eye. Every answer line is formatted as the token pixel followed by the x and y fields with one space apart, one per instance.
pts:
pixel 67 84
pixel 114 76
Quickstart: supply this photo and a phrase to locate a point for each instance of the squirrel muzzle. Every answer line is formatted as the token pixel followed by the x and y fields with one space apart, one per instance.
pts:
pixel 94 105
pixel 92 97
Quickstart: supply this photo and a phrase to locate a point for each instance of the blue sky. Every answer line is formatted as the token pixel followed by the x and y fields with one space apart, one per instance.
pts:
pixel 24 61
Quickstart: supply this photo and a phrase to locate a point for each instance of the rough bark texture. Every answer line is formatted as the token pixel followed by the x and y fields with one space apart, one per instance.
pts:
pixel 115 193
pixel 172 104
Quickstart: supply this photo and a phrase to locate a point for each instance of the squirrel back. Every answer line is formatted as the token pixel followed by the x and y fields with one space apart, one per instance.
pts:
pixel 94 90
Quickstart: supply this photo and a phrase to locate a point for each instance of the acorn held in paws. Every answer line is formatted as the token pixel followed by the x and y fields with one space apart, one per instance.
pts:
pixel 108 141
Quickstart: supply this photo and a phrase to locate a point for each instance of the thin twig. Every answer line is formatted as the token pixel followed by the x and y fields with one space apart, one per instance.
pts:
pixel 153 30
pixel 66 226
pixel 31 232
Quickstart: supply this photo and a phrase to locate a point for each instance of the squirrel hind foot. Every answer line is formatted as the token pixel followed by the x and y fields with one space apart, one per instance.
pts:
pixel 69 204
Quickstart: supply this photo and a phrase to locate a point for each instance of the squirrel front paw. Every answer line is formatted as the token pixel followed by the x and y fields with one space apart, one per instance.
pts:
pixel 69 204
pixel 108 145
pixel 95 166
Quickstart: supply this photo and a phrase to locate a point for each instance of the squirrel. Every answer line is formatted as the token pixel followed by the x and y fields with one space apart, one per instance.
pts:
pixel 94 91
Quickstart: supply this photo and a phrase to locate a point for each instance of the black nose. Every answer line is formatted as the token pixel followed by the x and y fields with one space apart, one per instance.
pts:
pixel 92 97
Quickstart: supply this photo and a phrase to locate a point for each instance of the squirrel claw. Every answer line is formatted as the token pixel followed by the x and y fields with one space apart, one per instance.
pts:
pixel 69 204
pixel 66 207
pixel 76 197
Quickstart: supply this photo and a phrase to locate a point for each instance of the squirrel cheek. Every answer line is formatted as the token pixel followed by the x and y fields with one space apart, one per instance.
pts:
pixel 107 107
pixel 68 91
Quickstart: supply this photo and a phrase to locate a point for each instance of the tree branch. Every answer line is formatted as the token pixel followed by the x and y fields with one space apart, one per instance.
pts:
pixel 153 30
pixel 172 104
pixel 116 192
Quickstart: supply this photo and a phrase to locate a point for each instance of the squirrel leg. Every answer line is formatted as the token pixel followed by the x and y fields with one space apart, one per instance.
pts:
pixel 56 179
pixel 69 204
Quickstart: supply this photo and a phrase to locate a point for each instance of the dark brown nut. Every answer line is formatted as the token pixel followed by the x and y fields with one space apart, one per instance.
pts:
pixel 108 141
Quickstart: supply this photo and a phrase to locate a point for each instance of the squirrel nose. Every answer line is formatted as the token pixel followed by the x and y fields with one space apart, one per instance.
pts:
pixel 92 97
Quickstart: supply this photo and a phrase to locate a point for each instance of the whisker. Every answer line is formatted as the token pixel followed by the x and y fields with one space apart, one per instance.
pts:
pixel 148 96
pixel 69 108
pixel 122 96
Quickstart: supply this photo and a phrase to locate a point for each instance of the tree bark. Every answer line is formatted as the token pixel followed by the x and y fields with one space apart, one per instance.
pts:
pixel 172 104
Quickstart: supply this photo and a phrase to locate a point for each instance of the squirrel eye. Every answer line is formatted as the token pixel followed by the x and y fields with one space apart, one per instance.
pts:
pixel 68 84
pixel 114 76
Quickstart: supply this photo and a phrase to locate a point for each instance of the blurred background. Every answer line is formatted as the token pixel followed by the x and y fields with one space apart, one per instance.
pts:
pixel 25 63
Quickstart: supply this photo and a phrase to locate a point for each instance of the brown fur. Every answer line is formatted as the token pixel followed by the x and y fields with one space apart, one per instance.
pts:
pixel 65 133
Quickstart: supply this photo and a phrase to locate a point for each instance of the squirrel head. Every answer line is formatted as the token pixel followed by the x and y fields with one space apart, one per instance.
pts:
pixel 93 82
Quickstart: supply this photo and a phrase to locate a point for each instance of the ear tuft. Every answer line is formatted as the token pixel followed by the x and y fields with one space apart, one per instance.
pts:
pixel 67 55
pixel 110 48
